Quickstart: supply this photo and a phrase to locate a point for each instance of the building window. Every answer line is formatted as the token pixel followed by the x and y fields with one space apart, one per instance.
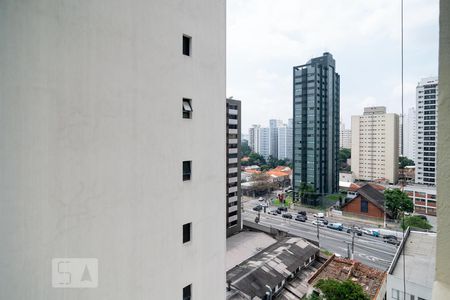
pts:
pixel 187 45
pixel 395 294
pixel 364 206
pixel 187 108
pixel 187 170
pixel 187 292
pixel 187 232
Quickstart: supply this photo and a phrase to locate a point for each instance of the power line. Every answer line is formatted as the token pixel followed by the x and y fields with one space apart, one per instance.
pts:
pixel 402 126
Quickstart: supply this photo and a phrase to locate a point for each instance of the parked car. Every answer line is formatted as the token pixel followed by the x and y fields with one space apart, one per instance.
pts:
pixel 260 199
pixel 318 222
pixel 357 230
pixel 287 216
pixel 302 212
pixel 300 218
pixel 335 226
pixel 392 241
pixel 319 215
pixel 422 217
pixel 257 208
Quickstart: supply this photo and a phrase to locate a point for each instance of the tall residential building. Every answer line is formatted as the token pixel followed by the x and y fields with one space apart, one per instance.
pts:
pixel 264 141
pixel 285 141
pixel 375 145
pixel 410 134
pixel 112 143
pixel 427 116
pixel 253 138
pixel 345 137
pixel 274 125
pixel 233 173
pixel 316 124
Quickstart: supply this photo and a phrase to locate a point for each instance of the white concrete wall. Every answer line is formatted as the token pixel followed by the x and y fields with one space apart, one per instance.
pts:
pixel 92 143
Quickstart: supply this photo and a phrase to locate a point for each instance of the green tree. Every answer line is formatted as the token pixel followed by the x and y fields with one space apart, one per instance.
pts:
pixel 344 154
pixel 307 194
pixel 341 290
pixel 403 161
pixel 415 222
pixel 256 159
pixel 245 149
pixel 397 202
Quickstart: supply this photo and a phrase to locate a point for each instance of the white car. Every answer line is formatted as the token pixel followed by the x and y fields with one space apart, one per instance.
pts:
pixel 315 222
pixel 319 215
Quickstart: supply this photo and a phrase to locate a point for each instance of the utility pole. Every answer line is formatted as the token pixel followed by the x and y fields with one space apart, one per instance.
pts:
pixel 353 241
pixel 318 236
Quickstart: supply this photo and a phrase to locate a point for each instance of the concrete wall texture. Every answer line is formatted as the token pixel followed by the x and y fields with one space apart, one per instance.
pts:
pixel 92 143
pixel 441 288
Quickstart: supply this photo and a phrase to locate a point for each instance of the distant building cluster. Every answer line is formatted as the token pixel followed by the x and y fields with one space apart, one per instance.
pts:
pixel 275 140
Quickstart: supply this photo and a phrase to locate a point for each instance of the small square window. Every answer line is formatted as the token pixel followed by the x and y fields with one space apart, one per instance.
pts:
pixel 187 292
pixel 187 45
pixel 187 232
pixel 187 170
pixel 187 108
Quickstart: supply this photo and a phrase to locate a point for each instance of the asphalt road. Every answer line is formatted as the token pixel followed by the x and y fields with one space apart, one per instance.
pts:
pixel 369 250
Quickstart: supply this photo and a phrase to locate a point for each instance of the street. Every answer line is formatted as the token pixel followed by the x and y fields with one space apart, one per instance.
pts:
pixel 367 249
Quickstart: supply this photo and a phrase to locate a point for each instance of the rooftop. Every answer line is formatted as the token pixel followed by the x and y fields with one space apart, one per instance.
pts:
pixel 271 266
pixel 370 279
pixel 420 258
pixel 244 245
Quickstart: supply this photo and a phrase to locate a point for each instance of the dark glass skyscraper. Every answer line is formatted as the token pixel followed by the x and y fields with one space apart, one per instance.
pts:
pixel 316 125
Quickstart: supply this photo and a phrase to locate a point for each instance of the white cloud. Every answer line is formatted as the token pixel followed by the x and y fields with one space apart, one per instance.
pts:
pixel 266 38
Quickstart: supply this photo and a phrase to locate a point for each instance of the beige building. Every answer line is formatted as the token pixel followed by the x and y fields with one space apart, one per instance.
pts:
pixel 375 145
pixel 111 146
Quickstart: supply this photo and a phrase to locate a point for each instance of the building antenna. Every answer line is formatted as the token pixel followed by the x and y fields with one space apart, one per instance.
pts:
pixel 403 216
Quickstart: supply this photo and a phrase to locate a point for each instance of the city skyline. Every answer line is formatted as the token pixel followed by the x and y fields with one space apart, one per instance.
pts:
pixel 263 78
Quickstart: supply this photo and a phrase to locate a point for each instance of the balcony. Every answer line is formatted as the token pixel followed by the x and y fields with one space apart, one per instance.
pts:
pixel 232 160
pixel 232 111
pixel 232 189
pixel 233 208
pixel 232 151
pixel 232 141
pixel 232 131
pixel 232 170
pixel 232 218
pixel 232 121
pixel 232 199
pixel 232 180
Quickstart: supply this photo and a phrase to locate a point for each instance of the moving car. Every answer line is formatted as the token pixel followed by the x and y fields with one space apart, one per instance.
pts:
pixel 319 215
pixel 371 232
pixel 302 212
pixel 257 208
pixel 335 226
pixel 273 212
pixel 356 230
pixel 281 209
pixel 300 218
pixel 392 241
pixel 324 221
pixel 318 222
pixel 387 237
pixel 287 216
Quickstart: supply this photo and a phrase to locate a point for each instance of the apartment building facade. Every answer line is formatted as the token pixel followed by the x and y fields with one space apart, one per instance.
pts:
pixel 345 137
pixel 274 125
pixel 233 144
pixel 423 197
pixel 427 133
pixel 253 137
pixel 285 141
pixel 112 145
pixel 375 139
pixel 410 134
pixel 316 98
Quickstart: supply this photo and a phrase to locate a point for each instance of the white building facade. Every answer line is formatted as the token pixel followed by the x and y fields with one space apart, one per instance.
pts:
pixel 345 137
pixel 274 125
pixel 253 138
pixel 285 141
pixel 410 134
pixel 264 141
pixel 427 133
pixel 111 114
pixel 375 148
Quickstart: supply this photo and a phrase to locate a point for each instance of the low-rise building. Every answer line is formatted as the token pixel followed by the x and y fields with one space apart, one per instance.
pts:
pixel 264 275
pixel 423 197
pixel 368 202
pixel 416 270
pixel 372 281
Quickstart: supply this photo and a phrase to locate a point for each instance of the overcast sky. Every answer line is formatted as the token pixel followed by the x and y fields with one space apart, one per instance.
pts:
pixel 266 38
